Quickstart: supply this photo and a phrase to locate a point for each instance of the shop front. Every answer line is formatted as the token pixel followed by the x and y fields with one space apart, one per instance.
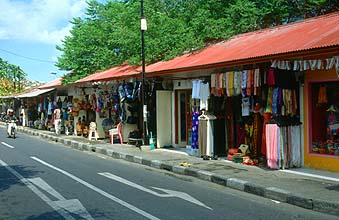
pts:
pixel 260 90
pixel 219 114
pixel 321 103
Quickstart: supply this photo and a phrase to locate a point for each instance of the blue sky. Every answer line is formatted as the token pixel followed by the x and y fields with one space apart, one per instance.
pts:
pixel 30 30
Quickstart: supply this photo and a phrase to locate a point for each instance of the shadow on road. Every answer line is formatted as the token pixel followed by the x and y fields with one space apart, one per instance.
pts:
pixel 54 215
pixel 7 179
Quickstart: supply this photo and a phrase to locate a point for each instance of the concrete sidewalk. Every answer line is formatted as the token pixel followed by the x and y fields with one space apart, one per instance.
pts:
pixel 310 192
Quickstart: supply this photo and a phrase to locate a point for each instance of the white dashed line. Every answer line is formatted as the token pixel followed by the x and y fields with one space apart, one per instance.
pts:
pixel 7 145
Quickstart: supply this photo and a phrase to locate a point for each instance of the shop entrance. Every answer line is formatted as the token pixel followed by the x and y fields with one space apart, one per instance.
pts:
pixel 184 115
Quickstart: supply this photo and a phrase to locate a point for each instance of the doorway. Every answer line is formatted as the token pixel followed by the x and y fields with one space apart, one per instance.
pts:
pixel 183 117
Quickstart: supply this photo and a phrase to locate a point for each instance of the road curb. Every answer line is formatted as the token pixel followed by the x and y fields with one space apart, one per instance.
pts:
pixel 273 193
pixel 276 194
pixel 300 201
pixel 326 207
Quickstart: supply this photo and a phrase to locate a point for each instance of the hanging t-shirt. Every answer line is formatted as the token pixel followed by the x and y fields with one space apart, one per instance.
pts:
pixel 196 89
pixel 245 106
pixel 204 95
pixel 257 81
pixel 50 108
pixel 243 79
pixel 237 83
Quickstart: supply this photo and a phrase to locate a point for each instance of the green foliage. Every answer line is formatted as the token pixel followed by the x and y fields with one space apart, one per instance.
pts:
pixel 109 34
pixel 10 77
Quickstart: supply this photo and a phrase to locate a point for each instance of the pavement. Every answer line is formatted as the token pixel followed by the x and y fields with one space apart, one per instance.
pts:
pixel 310 189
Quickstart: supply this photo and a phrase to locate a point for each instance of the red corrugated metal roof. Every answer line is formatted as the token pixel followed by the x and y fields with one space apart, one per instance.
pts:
pixel 115 72
pixel 318 32
pixel 55 83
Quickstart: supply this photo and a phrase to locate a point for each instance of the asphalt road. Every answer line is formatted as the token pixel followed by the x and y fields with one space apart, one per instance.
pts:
pixel 41 180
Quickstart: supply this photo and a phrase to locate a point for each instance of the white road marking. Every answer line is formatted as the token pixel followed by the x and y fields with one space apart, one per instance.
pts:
pixel 61 211
pixel 275 201
pixel 311 175
pixel 103 193
pixel 72 206
pixel 7 145
pixel 169 193
pixel 43 185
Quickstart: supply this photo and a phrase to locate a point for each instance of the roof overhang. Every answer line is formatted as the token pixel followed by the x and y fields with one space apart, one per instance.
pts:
pixel 34 93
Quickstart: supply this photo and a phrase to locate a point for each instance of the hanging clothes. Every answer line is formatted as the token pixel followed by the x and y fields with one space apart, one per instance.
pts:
pixel 245 106
pixel 269 100
pixel 204 95
pixel 322 96
pixel 217 83
pixel 222 87
pixel 237 83
pixel 213 90
pixel 241 134
pixel 270 77
pixel 196 89
pixel 249 82
pixel 50 108
pixel 272 145
pixel 195 129
pixel 230 84
pixel 257 81
pixel 243 82
pixel 206 138
pixel 267 118
pixel 257 134
pixel 295 146
pixel 275 101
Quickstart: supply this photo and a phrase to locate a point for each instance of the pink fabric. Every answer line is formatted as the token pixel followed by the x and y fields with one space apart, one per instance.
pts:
pixel 272 141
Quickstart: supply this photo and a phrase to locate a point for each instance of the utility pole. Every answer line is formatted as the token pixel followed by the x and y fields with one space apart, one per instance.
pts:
pixel 144 106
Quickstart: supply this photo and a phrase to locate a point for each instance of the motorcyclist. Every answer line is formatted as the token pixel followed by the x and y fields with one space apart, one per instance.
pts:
pixel 9 117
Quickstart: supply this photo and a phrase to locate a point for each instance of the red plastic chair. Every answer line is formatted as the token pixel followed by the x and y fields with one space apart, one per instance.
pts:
pixel 116 131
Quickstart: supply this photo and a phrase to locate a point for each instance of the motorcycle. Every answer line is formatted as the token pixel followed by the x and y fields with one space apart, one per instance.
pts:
pixel 11 128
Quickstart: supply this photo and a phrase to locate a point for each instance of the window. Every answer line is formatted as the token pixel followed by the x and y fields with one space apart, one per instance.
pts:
pixel 324 103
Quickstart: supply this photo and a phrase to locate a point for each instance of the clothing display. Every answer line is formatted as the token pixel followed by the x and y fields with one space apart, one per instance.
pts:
pixel 195 129
pixel 206 138
pixel 204 95
pixel 201 90
pixel 272 145
pixel 196 89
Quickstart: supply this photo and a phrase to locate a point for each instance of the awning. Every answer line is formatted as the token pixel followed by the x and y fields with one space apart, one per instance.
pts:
pixel 7 97
pixel 117 72
pixel 302 37
pixel 55 83
pixel 34 93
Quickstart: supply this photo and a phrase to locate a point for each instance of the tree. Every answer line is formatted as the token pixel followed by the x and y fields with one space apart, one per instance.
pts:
pixel 10 78
pixel 109 34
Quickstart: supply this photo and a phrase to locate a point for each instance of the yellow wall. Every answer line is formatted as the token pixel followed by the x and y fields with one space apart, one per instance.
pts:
pixel 319 161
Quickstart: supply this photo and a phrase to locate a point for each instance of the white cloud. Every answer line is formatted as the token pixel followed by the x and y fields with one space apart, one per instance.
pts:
pixel 43 21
